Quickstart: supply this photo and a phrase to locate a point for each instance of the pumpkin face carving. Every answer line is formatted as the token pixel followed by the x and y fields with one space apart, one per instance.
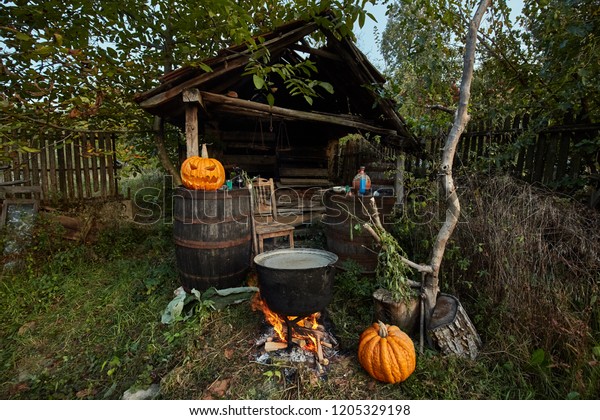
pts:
pixel 386 353
pixel 202 172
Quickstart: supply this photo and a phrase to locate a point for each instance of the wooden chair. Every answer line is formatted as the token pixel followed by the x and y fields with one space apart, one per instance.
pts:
pixel 265 214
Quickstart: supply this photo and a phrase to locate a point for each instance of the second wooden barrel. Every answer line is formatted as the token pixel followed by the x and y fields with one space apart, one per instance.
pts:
pixel 212 234
pixel 342 213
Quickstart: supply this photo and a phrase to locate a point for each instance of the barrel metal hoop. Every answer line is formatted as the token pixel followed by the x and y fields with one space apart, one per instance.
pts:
pixel 205 278
pixel 243 219
pixel 211 245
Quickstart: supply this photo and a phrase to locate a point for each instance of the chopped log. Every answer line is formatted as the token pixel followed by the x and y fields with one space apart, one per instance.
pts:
pixel 76 228
pixel 317 333
pixel 400 314
pixel 274 346
pixel 299 342
pixel 452 330
pixel 319 351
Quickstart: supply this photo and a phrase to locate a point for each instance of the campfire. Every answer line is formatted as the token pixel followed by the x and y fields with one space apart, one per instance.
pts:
pixel 308 336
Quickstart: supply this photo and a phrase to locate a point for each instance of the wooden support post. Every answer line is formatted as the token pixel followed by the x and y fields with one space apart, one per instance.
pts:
pixel 399 181
pixel 192 100
pixel 191 129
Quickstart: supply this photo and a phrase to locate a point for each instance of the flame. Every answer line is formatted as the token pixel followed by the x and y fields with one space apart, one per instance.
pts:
pixel 280 327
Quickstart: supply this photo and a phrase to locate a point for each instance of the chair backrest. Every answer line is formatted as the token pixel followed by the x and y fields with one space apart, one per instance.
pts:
pixel 264 197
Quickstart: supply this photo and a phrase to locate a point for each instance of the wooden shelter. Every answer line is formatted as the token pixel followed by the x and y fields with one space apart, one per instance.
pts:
pixel 292 141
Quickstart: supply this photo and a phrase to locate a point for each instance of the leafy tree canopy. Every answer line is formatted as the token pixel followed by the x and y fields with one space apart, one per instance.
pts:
pixel 546 63
pixel 76 65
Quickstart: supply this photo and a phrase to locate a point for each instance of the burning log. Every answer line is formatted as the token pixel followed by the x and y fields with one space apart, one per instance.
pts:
pixel 299 341
pixel 304 338
pixel 319 351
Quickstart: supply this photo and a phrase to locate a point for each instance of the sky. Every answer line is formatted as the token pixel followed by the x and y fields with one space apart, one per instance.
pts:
pixel 367 41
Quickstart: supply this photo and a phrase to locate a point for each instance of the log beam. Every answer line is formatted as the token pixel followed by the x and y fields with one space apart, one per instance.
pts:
pixel 242 106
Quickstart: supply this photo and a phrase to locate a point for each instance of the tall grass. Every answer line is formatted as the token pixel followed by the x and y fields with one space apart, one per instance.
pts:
pixel 531 274
pixel 82 321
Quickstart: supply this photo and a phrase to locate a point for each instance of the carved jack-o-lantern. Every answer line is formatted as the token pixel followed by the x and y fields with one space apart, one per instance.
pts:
pixel 202 172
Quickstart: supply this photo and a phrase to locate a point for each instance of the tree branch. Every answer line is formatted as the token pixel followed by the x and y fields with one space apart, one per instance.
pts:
pixel 163 156
pixel 451 198
pixel 72 130
pixel 442 108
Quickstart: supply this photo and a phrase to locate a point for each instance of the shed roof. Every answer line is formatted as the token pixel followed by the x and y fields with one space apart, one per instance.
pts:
pixel 355 105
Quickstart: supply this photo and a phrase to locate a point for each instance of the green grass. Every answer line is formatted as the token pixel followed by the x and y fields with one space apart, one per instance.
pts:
pixel 82 321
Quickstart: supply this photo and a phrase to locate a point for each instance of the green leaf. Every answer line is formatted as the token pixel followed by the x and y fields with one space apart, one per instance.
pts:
pixel 225 297
pixel 205 67
pixel 537 357
pixel 259 82
pixel 174 309
pixel 28 149
pixel 22 36
pixel 327 86
pixel 43 50
pixel 596 351
pixel 271 99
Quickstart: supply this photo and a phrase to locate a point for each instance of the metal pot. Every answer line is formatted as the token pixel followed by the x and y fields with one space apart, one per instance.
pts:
pixel 296 282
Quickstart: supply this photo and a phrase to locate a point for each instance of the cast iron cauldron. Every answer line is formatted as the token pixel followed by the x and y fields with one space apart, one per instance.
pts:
pixel 296 282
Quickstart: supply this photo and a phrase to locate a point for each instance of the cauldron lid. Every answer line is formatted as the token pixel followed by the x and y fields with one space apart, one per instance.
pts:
pixel 296 259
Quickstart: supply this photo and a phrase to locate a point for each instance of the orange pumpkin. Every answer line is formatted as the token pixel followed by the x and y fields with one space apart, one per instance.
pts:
pixel 386 353
pixel 202 172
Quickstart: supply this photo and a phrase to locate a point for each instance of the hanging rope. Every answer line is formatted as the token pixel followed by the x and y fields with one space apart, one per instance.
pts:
pixel 283 140
pixel 258 126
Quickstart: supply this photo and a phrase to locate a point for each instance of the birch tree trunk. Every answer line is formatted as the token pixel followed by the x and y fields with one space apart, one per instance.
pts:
pixel 447 184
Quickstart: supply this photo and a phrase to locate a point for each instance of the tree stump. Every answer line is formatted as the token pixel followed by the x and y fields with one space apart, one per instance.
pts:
pixel 404 316
pixel 452 330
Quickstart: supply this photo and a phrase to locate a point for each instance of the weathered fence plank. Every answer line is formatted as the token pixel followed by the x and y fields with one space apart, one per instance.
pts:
pixel 547 156
pixel 77 146
pixel 94 161
pixel 64 168
pixel 110 163
pixel 102 157
pixel 85 142
pixel 69 170
pixel 43 166
pixel 564 146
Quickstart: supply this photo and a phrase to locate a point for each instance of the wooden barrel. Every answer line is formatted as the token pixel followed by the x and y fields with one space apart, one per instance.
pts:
pixel 212 234
pixel 341 214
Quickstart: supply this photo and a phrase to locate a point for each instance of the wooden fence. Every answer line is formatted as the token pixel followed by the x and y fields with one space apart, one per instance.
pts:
pixel 556 156
pixel 67 168
pixel 564 157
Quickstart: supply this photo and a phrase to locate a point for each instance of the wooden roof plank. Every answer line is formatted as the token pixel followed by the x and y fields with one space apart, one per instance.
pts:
pixel 222 65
